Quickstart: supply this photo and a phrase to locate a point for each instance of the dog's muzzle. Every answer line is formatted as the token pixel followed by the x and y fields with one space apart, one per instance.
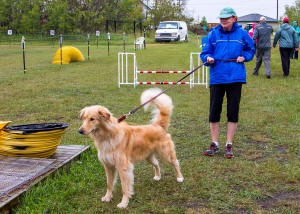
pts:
pixel 80 131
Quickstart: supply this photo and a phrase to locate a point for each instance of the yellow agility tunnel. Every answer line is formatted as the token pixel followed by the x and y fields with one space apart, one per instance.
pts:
pixel 69 54
pixel 31 140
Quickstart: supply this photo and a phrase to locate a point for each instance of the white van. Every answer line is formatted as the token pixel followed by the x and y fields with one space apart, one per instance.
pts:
pixel 171 31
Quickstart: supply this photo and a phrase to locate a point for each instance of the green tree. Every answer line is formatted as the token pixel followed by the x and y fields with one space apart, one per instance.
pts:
pixel 293 12
pixel 163 10
pixel 83 16
pixel 6 8
pixel 203 21
pixel 58 17
pixel 31 21
pixel 91 16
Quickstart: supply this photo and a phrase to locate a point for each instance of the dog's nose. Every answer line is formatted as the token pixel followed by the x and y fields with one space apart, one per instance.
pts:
pixel 80 131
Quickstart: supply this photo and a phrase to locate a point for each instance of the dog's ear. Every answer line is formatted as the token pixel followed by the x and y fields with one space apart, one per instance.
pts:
pixel 81 113
pixel 103 114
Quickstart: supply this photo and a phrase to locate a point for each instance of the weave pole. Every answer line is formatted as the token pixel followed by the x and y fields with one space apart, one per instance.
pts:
pixel 88 43
pixel 23 50
pixel 60 44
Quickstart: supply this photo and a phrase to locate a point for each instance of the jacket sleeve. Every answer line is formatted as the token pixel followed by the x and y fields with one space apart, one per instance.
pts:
pixel 255 34
pixel 295 39
pixel 249 49
pixel 207 50
pixel 278 32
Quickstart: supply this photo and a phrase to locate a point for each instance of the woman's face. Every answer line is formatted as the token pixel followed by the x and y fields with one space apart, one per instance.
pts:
pixel 227 23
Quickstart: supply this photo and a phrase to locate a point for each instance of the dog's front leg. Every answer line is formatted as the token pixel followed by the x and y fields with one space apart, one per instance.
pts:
pixel 110 181
pixel 127 180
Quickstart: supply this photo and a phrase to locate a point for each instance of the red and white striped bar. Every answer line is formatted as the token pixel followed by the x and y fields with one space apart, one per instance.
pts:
pixel 162 72
pixel 162 83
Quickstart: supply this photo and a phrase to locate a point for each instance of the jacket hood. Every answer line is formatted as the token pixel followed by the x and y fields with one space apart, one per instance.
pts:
pixel 286 26
pixel 293 24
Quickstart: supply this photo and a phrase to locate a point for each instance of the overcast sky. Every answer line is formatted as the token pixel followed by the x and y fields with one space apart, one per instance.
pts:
pixel 211 8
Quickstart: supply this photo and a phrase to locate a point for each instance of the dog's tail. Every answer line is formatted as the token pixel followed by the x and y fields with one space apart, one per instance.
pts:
pixel 162 107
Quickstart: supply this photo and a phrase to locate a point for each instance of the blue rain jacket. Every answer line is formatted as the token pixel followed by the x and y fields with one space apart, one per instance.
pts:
pixel 222 45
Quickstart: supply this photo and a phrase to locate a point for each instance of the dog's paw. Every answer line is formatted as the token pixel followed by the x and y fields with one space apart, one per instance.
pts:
pixel 122 205
pixel 180 180
pixel 156 178
pixel 106 198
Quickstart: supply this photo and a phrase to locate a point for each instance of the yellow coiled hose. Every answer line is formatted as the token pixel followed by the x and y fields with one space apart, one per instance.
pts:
pixel 33 140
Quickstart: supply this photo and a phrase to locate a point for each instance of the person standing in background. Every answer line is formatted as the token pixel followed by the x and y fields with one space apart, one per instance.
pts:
pixel 251 31
pixel 228 48
pixel 294 54
pixel 262 39
pixel 288 40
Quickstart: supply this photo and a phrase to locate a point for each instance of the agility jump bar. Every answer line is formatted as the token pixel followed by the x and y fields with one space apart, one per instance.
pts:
pixel 162 72
pixel 162 83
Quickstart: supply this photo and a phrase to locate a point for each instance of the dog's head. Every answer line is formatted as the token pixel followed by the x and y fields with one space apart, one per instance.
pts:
pixel 94 118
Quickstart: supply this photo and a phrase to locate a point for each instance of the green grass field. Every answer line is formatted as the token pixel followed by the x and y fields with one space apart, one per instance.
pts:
pixel 264 176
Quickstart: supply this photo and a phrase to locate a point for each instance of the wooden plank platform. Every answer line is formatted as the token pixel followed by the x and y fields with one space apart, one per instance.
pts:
pixel 17 174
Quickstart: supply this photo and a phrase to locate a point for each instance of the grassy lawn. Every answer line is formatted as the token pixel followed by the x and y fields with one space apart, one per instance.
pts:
pixel 264 176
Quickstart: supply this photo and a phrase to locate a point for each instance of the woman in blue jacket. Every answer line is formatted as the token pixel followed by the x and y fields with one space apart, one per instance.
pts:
pixel 228 47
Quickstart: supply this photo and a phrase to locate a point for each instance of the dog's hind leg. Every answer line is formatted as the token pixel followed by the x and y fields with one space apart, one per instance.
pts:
pixel 167 151
pixel 111 177
pixel 127 180
pixel 153 161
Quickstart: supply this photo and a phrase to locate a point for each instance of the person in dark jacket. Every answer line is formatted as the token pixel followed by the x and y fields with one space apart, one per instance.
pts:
pixel 262 39
pixel 287 37
pixel 228 47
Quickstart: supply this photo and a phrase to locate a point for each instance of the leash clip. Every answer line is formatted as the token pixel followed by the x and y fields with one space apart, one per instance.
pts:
pixel 124 117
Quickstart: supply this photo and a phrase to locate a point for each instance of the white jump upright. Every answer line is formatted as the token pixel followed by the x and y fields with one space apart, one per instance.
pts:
pixel 199 77
pixel 128 69
pixel 123 68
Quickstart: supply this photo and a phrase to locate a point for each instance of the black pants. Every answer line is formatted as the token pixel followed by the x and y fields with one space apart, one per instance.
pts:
pixel 233 94
pixel 285 54
pixel 296 55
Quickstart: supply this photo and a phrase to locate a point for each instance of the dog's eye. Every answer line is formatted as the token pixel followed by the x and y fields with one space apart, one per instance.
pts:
pixel 92 119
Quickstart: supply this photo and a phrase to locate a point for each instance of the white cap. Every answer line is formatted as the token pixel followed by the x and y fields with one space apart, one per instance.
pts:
pixel 262 18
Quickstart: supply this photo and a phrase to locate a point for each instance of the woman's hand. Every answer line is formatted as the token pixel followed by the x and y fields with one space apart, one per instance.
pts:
pixel 210 60
pixel 240 59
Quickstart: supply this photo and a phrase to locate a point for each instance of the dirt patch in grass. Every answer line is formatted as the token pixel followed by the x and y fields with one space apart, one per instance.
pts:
pixel 281 199
pixel 257 152
pixel 195 204
pixel 282 149
pixel 260 152
pixel 192 205
pixel 259 143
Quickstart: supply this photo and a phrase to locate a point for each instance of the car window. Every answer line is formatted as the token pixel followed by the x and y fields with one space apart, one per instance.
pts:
pixel 168 25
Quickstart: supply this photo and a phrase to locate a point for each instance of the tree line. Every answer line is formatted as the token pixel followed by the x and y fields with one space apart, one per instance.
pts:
pixel 293 12
pixel 86 16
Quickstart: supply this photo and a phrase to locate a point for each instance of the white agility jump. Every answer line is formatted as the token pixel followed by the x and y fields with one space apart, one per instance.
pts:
pixel 128 72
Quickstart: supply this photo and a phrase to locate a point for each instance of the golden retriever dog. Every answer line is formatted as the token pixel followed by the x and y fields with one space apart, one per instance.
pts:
pixel 120 145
